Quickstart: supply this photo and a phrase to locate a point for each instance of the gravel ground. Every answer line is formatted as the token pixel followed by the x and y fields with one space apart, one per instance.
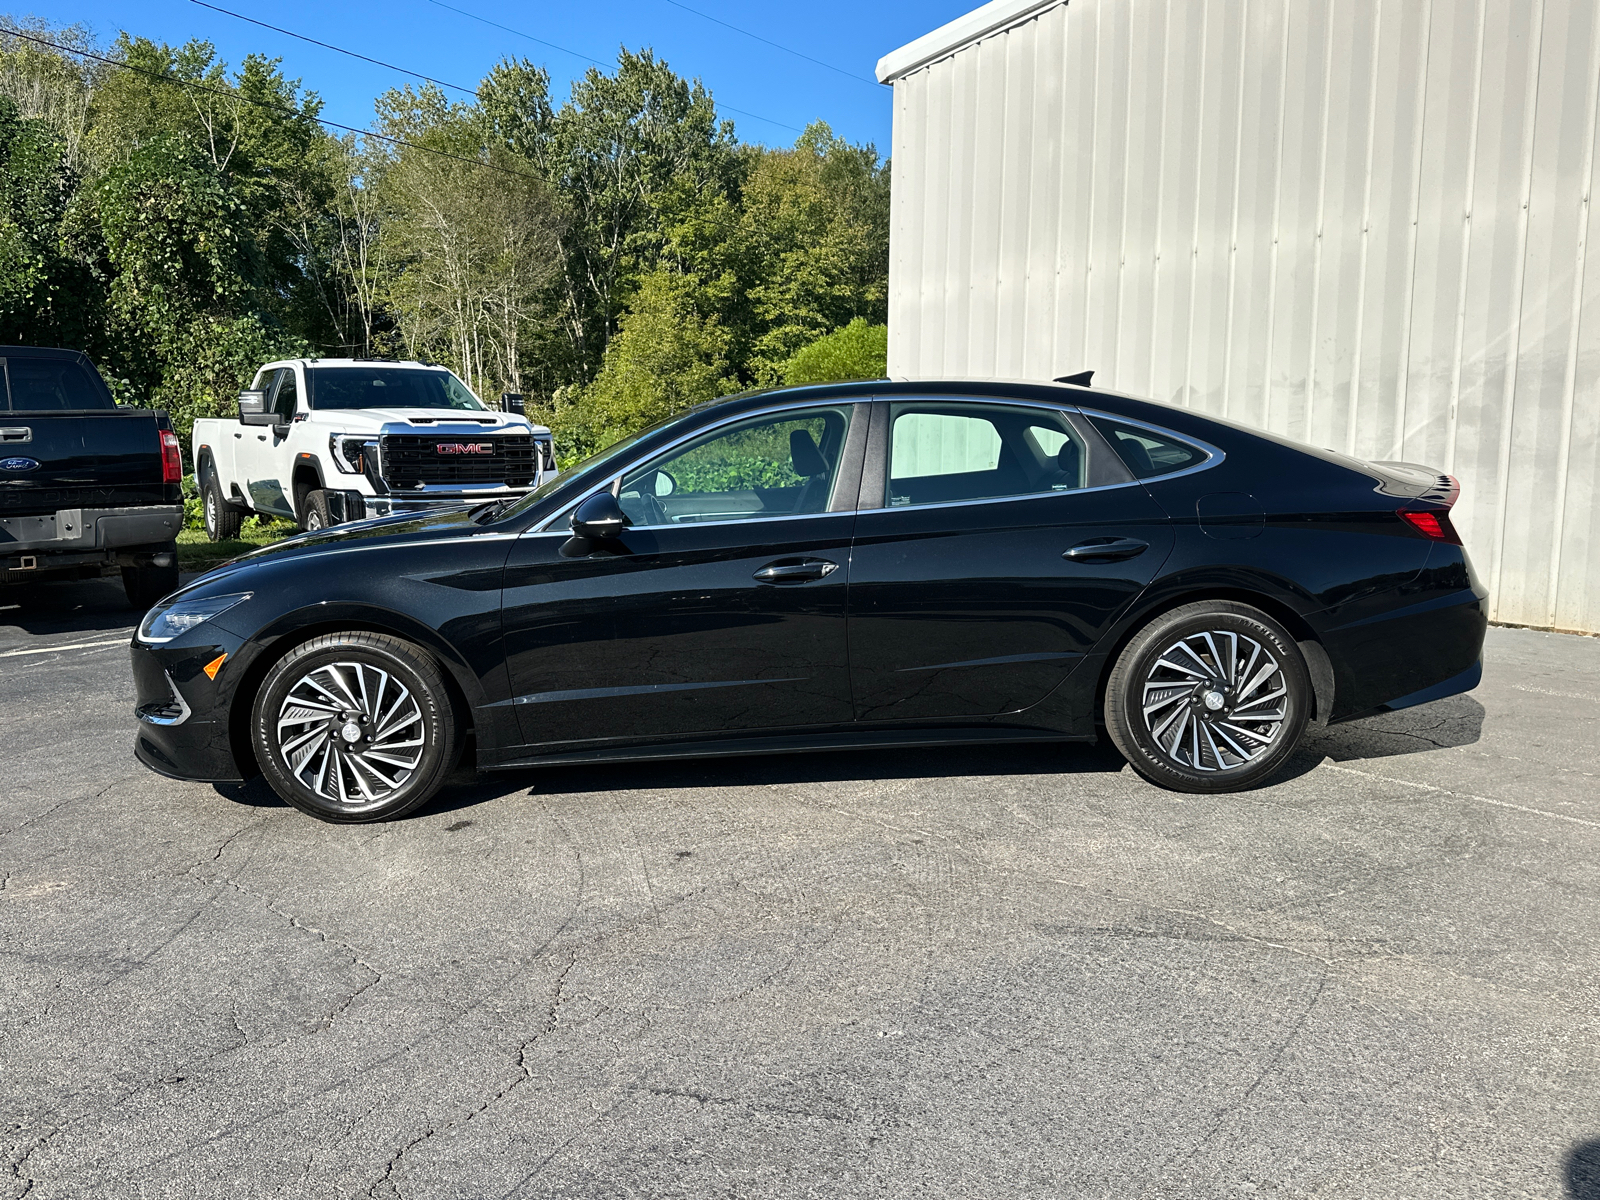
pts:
pixel 988 973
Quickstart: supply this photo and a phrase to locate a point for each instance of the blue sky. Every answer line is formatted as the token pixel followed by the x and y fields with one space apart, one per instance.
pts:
pixel 426 36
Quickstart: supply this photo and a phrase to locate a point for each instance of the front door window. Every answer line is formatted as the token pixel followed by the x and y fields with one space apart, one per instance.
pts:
pixel 770 466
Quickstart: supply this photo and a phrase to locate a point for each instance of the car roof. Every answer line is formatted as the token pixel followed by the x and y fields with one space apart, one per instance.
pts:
pixel 404 364
pixel 45 352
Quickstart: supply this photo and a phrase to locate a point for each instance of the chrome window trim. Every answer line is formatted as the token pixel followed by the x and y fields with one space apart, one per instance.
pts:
pixel 613 483
pixel 1214 455
pixel 1101 487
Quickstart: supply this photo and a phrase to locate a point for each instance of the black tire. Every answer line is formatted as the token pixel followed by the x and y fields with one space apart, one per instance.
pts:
pixel 146 585
pixel 288 700
pixel 314 511
pixel 222 518
pixel 1197 733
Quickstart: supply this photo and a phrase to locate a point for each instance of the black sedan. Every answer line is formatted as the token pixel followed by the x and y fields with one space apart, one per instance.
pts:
pixel 858 565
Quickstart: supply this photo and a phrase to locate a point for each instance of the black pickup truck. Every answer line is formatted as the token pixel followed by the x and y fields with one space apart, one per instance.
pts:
pixel 85 486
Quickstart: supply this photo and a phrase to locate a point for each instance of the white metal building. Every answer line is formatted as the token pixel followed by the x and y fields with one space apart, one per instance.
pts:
pixel 1360 223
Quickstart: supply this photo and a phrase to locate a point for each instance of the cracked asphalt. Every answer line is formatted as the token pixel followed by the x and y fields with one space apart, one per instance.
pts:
pixel 987 973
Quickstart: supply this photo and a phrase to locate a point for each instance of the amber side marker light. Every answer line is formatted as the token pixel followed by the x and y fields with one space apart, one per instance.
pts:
pixel 1435 525
pixel 212 667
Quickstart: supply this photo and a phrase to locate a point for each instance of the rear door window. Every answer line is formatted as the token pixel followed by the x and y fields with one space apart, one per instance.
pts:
pixel 51 385
pixel 942 453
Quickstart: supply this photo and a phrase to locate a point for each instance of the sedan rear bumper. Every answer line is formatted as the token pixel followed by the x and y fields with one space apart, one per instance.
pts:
pixel 1424 651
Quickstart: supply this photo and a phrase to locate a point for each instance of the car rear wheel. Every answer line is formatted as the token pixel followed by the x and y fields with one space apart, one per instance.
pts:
pixel 222 518
pixel 354 727
pixel 1210 697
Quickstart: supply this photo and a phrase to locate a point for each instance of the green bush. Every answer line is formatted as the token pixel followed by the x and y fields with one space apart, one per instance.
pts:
pixel 194 516
pixel 858 351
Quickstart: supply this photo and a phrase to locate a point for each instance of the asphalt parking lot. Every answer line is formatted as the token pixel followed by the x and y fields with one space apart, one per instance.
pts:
pixel 985 973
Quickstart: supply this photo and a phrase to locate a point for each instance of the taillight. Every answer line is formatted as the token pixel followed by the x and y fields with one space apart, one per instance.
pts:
pixel 1435 525
pixel 171 460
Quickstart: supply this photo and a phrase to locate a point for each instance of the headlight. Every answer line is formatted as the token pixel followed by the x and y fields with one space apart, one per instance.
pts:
pixel 164 624
pixel 348 451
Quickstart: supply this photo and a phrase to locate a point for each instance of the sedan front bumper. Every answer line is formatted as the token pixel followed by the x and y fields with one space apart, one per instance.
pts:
pixel 183 711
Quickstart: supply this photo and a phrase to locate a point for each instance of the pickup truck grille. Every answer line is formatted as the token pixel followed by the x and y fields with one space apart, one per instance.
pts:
pixel 410 459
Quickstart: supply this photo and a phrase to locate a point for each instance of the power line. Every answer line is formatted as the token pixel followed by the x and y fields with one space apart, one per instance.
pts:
pixel 377 62
pixel 775 45
pixel 586 58
pixel 299 114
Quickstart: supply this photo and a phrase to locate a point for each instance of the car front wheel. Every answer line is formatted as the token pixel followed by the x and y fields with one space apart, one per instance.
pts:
pixel 354 727
pixel 1210 697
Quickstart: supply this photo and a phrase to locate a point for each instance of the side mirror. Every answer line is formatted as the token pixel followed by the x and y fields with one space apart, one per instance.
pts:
pixel 665 484
pixel 253 409
pixel 512 402
pixel 599 518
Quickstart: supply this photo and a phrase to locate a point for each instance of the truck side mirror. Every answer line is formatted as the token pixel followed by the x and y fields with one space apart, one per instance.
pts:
pixel 512 402
pixel 253 409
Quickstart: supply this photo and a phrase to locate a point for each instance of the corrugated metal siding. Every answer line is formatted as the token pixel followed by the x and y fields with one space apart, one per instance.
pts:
pixel 1362 223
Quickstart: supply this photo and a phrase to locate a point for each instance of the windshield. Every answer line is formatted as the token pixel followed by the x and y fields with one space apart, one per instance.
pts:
pixel 589 470
pixel 388 387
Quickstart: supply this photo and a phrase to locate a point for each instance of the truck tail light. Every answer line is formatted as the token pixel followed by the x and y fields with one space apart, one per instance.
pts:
pixel 171 459
pixel 1434 525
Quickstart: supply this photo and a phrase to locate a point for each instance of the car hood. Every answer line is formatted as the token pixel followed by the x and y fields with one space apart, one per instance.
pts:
pixel 422 420
pixel 406 528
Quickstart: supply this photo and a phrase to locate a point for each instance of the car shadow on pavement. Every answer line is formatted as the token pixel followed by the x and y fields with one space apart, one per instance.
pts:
pixel 1457 721
pixel 75 606
pixel 1441 725
pixel 1583 1171
pixel 817 767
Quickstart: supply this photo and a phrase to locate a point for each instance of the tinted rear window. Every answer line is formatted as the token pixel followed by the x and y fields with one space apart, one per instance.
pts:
pixel 52 385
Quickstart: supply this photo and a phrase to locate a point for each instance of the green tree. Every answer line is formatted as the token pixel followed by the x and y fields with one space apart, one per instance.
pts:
pixel 668 356
pixel 185 279
pixel 621 149
pixel 470 240
pixel 47 296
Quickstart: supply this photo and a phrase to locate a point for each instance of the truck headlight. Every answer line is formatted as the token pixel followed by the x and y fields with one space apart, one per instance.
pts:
pixel 164 624
pixel 349 452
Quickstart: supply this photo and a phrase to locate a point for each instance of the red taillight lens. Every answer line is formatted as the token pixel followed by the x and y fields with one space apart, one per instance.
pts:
pixel 171 460
pixel 1435 525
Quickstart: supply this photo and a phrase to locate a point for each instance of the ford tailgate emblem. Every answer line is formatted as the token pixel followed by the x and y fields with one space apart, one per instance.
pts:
pixel 19 464
pixel 464 448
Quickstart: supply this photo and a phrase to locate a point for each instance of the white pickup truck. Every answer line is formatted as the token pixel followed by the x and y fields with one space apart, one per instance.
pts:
pixel 328 440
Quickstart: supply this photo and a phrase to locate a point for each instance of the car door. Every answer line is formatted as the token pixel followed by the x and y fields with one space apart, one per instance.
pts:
pixel 259 461
pixel 722 607
pixel 996 542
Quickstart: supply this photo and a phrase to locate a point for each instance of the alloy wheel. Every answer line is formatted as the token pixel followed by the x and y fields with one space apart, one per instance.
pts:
pixel 1215 701
pixel 351 732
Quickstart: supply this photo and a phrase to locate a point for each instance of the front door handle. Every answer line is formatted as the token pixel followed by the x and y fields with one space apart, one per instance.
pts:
pixel 1106 549
pixel 796 572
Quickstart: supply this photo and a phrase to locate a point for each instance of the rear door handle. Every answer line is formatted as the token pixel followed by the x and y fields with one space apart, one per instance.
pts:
pixel 796 572
pixel 1107 549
